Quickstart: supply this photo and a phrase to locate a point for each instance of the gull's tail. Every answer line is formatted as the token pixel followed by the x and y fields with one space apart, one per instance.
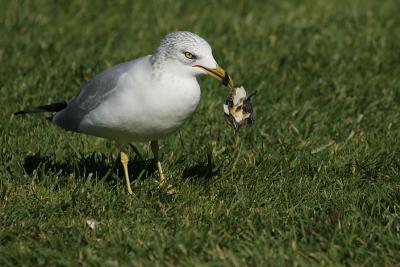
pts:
pixel 54 107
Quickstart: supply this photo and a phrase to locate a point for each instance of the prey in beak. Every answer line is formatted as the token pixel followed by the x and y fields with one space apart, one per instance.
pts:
pixel 220 74
pixel 238 109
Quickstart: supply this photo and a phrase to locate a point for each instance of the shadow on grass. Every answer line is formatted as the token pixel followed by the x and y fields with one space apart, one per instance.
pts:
pixel 102 167
pixel 201 172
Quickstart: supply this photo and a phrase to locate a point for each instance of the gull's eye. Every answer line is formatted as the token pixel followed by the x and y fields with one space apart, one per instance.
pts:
pixel 189 55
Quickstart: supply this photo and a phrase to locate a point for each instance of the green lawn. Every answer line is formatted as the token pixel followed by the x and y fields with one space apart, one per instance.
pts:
pixel 315 181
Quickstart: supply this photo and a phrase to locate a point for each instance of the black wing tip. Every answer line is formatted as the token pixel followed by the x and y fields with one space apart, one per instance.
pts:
pixel 21 112
pixel 54 107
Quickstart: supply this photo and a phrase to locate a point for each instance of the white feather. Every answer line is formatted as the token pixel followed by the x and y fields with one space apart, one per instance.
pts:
pixel 141 100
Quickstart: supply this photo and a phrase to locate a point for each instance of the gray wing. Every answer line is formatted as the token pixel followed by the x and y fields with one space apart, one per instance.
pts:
pixel 95 92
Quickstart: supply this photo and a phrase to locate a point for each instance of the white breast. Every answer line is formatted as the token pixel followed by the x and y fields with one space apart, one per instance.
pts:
pixel 142 108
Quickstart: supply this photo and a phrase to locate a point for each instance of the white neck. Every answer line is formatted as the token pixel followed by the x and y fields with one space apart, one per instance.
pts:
pixel 163 66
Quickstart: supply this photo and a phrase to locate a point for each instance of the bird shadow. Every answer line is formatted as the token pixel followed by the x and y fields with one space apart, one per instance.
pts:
pixel 201 172
pixel 108 169
pixel 98 166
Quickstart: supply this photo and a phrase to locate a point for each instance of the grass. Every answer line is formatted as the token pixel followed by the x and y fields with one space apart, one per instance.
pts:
pixel 314 182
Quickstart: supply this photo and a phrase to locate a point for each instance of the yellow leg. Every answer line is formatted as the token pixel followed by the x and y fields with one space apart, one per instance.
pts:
pixel 154 149
pixel 124 161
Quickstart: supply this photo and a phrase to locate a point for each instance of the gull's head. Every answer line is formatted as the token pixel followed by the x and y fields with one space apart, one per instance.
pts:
pixel 189 54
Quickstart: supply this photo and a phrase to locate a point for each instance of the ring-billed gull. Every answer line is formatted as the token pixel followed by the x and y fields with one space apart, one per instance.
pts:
pixel 141 100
